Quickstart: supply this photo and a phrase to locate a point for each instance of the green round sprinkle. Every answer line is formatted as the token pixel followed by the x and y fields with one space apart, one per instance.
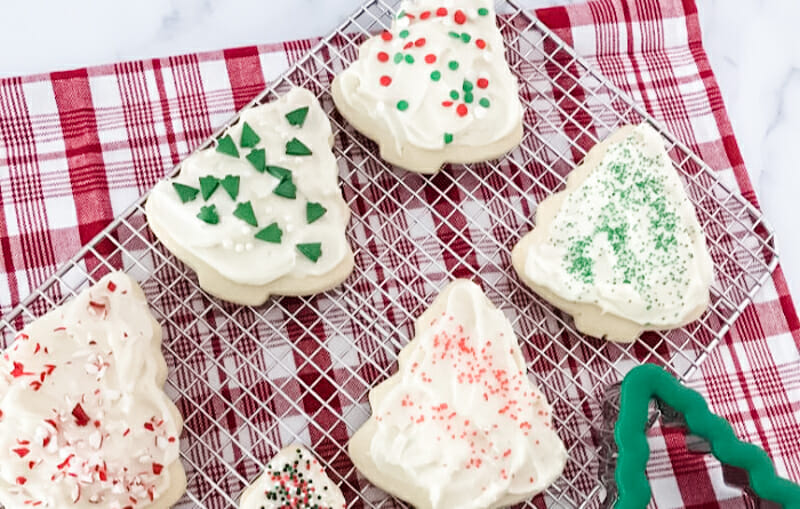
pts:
pixel 467 86
pixel 448 138
pixel 466 37
pixel 483 11
pixel 409 59
pixel 436 75
pixel 453 65
pixel 468 97
pixel 398 57
pixel 484 102
pixel 403 34
pixel 454 95
pixel 402 105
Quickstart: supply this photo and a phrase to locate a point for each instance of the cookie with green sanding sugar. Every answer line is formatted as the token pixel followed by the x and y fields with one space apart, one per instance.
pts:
pixel 254 214
pixel 293 477
pixel 434 90
pixel 620 248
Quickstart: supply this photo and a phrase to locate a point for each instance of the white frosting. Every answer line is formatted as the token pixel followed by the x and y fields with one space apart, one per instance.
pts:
pixel 85 422
pixel 464 424
pixel 627 239
pixel 426 120
pixel 230 247
pixel 281 487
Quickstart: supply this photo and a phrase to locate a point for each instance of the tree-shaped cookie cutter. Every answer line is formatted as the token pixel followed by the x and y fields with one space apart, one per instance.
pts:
pixel 627 414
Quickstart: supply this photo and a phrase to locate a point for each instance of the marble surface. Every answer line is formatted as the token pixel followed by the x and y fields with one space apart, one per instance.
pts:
pixel 752 44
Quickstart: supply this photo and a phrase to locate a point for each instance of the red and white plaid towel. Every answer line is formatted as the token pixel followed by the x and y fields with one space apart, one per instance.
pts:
pixel 78 147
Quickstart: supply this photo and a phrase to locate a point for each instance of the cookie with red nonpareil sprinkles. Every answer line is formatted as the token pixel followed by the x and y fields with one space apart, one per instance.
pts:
pixel 435 87
pixel 460 425
pixel 294 479
pixel 84 421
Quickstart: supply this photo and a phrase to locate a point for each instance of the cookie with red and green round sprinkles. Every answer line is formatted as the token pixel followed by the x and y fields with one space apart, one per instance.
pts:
pixel 435 87
pixel 260 213
pixel 295 479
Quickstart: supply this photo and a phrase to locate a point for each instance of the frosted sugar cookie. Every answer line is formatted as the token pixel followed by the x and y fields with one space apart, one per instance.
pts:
pixel 435 88
pixel 460 425
pixel 84 421
pixel 294 479
pixel 620 249
pixel 261 212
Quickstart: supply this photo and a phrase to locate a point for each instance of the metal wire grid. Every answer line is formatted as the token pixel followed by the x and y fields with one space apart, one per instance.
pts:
pixel 245 390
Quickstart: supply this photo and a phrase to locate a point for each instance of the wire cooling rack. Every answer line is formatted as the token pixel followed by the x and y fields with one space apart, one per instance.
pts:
pixel 250 380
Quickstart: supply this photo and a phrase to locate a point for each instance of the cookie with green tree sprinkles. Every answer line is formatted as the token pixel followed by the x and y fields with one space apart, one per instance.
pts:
pixel 271 233
pixel 620 248
pixel 440 69
pixel 312 251
pixel 238 221
pixel 297 117
pixel 295 147
pixel 227 146
pixel 244 211
pixel 295 479
pixel 184 192
pixel 249 138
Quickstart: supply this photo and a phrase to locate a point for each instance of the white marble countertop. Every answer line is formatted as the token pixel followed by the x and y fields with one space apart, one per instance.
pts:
pixel 753 47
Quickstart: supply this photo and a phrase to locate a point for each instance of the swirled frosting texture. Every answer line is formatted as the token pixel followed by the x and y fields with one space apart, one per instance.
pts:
pixel 463 423
pixel 627 239
pixel 84 421
pixel 438 78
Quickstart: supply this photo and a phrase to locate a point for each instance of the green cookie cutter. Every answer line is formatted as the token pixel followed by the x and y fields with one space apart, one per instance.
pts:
pixel 649 381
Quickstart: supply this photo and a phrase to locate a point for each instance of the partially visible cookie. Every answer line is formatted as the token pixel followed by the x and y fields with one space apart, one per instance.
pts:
pixel 260 213
pixel 84 421
pixel 294 479
pixel 460 425
pixel 620 249
pixel 435 88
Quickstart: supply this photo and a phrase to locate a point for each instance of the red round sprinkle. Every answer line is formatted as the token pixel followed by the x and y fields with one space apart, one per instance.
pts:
pixel 420 42
pixel 462 110
pixel 441 11
pixel 408 45
pixel 386 81
pixel 386 35
pixel 482 83
pixel 21 480
pixel 425 15
pixel 430 58
pixel 480 43
pixel 383 56
pixel 447 104
pixel 460 17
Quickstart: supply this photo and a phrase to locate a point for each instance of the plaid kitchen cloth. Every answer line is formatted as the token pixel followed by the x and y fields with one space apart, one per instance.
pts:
pixel 78 147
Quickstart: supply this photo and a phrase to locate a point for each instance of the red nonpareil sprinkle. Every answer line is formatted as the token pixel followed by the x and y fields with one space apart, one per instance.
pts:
pixel 447 104
pixel 21 451
pixel 31 465
pixel 462 110
pixel 36 385
pixel 459 17
pixel 45 441
pixel 386 36
pixel 425 15
pixel 157 468
pixel 81 419
pixel 420 42
pixel 148 426
pixel 19 370
pixel 482 83
pixel 127 432
pixel 386 81
pixel 111 286
pixel 408 45
pixel 37 348
pixel 480 43
pixel 383 56
pixel 21 480
pixel 441 12
pixel 430 58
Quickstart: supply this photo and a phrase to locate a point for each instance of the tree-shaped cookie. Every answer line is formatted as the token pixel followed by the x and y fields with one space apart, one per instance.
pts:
pixel 293 479
pixel 434 88
pixel 84 421
pixel 649 381
pixel 261 212
pixel 460 425
pixel 620 248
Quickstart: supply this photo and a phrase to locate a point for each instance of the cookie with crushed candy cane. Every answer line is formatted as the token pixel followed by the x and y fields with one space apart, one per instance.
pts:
pixel 460 425
pixel 84 421
pixel 435 87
